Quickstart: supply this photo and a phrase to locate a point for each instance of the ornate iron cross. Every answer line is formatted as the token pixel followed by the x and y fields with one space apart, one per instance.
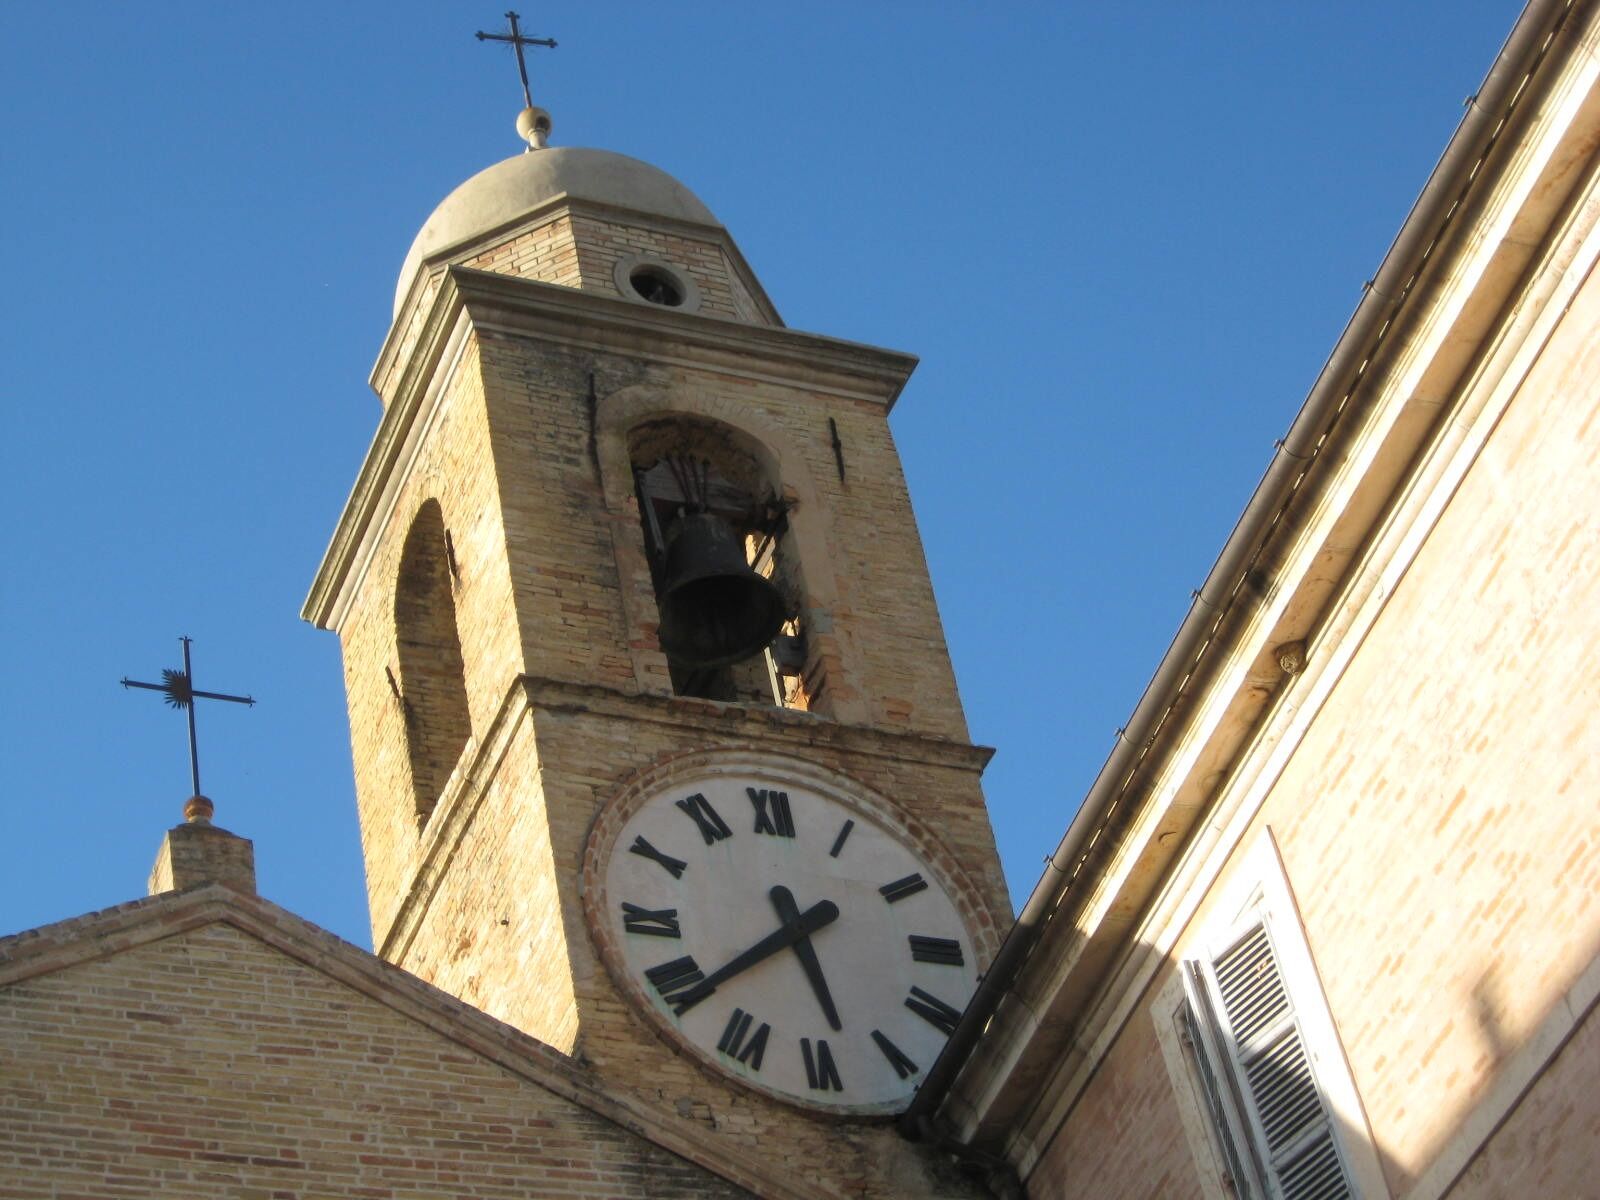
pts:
pixel 179 690
pixel 518 41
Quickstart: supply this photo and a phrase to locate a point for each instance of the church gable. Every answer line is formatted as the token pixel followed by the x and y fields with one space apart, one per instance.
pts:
pixel 207 1060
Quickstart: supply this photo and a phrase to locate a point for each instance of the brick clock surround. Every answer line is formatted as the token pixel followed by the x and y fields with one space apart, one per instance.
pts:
pixel 492 585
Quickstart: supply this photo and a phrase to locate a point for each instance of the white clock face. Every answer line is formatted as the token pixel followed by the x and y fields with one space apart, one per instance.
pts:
pixel 789 937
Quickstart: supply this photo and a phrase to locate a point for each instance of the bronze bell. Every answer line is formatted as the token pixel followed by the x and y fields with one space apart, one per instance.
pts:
pixel 715 609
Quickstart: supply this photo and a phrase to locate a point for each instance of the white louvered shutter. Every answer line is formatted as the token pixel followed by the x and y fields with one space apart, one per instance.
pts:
pixel 1266 1052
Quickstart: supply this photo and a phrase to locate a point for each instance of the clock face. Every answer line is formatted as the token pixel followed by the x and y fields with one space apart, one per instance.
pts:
pixel 793 938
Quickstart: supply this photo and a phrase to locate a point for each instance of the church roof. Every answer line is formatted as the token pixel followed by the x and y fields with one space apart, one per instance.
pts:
pixel 238 1005
pixel 503 194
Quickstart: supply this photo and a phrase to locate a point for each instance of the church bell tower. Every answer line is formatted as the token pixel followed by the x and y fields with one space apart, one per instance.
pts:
pixel 658 751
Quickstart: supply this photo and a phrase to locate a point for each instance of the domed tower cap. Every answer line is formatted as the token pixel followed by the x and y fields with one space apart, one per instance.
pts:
pixel 502 195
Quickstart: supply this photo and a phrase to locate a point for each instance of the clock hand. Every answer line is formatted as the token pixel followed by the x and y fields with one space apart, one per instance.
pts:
pixel 789 913
pixel 822 913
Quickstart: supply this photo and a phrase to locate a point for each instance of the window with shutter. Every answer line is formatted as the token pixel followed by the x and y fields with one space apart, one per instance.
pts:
pixel 1258 1076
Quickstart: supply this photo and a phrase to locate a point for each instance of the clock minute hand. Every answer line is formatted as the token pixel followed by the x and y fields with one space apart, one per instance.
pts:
pixel 789 913
pixel 820 914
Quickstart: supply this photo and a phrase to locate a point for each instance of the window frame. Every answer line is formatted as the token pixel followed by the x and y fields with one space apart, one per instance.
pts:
pixel 1219 1118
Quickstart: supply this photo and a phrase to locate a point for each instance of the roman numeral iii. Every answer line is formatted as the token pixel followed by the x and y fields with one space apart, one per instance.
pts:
pixel 821 1074
pixel 777 820
pixel 657 922
pixel 946 951
pixel 734 1044
pixel 933 1010
pixel 706 819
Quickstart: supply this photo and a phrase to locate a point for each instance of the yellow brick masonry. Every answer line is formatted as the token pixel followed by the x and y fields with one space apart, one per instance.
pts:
pixel 1442 810
pixel 570 695
pixel 209 1044
pixel 501 922
pixel 580 249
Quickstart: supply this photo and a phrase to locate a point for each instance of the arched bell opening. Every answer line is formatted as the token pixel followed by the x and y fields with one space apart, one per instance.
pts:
pixel 433 689
pixel 727 586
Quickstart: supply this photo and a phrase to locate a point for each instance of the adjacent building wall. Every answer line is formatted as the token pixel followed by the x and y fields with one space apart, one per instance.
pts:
pixel 1440 831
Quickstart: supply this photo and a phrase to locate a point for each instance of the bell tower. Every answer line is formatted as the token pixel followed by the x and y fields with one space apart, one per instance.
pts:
pixel 658 750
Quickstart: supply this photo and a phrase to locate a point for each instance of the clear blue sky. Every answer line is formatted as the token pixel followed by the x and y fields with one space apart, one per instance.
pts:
pixel 1121 237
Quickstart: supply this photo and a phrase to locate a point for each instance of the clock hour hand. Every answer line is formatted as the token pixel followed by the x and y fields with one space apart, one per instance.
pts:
pixel 822 913
pixel 789 913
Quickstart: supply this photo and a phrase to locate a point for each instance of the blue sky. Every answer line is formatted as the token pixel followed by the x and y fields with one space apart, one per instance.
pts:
pixel 1121 238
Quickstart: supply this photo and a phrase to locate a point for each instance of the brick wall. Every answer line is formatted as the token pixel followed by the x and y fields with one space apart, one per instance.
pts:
pixel 208 1064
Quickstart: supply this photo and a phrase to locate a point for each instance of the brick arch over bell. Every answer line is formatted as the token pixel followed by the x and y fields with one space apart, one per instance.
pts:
pixel 618 414
pixel 432 676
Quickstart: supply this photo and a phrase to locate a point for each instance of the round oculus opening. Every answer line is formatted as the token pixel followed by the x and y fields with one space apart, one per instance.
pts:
pixel 657 285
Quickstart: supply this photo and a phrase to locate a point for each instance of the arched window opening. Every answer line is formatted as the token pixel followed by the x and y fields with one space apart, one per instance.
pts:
pixel 433 686
pixel 727 585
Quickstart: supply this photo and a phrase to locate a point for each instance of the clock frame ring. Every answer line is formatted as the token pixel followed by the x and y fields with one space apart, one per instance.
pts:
pixel 732 768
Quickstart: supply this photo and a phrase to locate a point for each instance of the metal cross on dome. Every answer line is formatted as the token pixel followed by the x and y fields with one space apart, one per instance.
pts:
pixel 180 692
pixel 518 41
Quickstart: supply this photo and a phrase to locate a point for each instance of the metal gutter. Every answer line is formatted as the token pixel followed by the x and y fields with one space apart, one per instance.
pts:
pixel 1385 293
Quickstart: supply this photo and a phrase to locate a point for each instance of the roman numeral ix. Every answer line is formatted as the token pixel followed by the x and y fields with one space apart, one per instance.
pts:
pixel 645 850
pixel 821 1074
pixel 778 822
pixel 733 1042
pixel 901 888
pixel 933 1010
pixel 657 922
pixel 936 950
pixel 711 825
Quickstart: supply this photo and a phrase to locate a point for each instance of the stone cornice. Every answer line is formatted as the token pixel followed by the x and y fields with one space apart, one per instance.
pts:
pixel 566 316
pixel 101 935
pixel 704 722
pixel 703 719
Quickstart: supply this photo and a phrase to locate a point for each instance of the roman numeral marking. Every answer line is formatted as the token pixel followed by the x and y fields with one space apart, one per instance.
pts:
pixel 936 950
pixel 645 850
pixel 675 977
pixel 733 1042
pixel 902 1065
pixel 712 827
pixel 901 888
pixel 657 922
pixel 838 842
pixel 778 822
pixel 933 1010
pixel 821 1074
